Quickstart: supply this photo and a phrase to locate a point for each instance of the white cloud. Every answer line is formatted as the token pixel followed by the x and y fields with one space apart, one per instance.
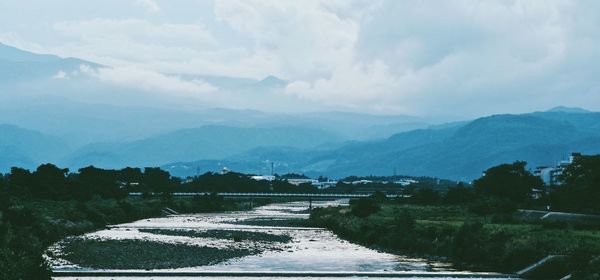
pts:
pixel 149 5
pixel 60 75
pixel 134 40
pixel 138 78
pixel 303 38
pixel 414 57
pixel 418 57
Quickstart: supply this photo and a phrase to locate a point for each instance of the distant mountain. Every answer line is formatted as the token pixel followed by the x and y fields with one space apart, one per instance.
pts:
pixel 27 148
pixel 465 151
pixel 56 111
pixel 207 143
pixel 271 82
pixel 17 65
pixel 460 151
pixel 49 94
pixel 564 109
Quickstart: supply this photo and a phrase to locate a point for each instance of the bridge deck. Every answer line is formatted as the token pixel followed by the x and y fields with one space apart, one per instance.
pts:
pixel 293 195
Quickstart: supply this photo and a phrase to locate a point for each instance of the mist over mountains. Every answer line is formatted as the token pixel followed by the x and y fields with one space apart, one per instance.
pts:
pixel 55 109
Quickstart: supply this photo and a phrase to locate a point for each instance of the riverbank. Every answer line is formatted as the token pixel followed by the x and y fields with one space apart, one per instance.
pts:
pixel 30 226
pixel 454 234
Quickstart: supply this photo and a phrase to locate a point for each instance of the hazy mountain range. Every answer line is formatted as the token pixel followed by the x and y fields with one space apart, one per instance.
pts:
pixel 50 112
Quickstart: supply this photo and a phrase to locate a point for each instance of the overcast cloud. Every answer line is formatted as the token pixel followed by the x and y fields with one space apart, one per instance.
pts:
pixel 463 58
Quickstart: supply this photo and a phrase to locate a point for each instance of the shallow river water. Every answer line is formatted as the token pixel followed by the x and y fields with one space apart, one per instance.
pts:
pixel 311 249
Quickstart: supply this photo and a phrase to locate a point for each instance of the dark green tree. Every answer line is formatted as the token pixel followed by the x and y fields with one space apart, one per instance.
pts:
pixel 364 207
pixel 425 196
pixel 158 180
pixel 50 182
pixel 460 194
pixel 93 181
pixel 581 186
pixel 508 181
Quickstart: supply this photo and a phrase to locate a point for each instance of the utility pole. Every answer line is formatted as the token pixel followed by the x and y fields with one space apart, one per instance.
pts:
pixel 272 176
pixel 272 164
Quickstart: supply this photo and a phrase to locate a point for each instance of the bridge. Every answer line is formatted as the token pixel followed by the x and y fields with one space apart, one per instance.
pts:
pixel 277 195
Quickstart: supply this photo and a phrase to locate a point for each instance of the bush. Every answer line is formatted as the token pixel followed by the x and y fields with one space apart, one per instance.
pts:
pixel 468 244
pixel 404 221
pixel 364 207
pixel 426 196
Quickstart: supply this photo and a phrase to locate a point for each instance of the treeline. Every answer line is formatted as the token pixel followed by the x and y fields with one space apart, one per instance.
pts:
pixel 506 187
pixel 237 182
pixel 51 182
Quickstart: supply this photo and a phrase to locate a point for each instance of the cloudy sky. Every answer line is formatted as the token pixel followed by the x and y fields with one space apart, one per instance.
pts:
pixel 461 58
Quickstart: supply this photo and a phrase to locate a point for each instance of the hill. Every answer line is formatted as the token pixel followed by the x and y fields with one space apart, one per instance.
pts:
pixel 210 142
pixel 459 151
pixel 27 148
pixel 21 66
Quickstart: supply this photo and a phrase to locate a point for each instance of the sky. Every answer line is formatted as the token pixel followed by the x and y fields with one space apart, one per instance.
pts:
pixel 413 57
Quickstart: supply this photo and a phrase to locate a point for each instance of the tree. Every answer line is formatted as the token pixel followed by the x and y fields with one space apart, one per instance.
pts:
pixel 20 181
pixel 481 208
pixel 460 194
pixel 49 182
pixel 508 181
pixel 322 179
pixel 158 180
pixel 129 175
pixel 364 207
pixel 425 196
pixel 93 181
pixel 581 186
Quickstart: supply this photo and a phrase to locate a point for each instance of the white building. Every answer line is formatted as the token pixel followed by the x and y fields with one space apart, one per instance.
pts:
pixel 406 182
pixel 263 177
pixel 324 185
pixel 550 175
pixel 299 181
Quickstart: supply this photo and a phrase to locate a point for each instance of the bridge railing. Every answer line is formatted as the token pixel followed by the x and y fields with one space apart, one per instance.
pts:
pixel 307 195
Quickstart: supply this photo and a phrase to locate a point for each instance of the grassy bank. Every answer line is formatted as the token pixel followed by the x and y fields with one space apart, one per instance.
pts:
pixel 454 234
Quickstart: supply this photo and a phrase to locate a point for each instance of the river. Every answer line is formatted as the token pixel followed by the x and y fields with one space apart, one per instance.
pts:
pixel 311 251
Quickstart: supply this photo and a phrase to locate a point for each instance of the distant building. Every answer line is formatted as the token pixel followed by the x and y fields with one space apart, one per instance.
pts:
pixel 406 182
pixel 324 185
pixel 551 175
pixel 361 182
pixel 263 177
pixel 545 173
pixel 299 181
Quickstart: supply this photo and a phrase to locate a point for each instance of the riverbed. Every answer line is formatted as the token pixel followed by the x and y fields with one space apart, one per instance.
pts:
pixel 299 250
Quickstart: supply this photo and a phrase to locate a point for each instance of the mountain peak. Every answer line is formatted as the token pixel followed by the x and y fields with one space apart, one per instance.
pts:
pixel 272 81
pixel 564 109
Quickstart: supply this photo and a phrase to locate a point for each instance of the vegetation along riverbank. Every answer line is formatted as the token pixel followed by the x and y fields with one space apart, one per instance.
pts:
pixel 42 207
pixel 479 228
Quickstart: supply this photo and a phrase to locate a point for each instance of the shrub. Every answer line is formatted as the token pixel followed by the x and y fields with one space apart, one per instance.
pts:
pixel 364 207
